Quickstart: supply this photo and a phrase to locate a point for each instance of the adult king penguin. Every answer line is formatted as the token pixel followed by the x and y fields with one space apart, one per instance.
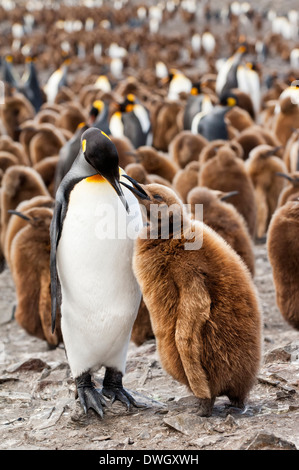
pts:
pixel 100 296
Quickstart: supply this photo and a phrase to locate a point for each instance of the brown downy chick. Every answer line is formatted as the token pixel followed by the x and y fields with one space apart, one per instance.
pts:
pixel 239 118
pixel 202 302
pixel 47 169
pixel 156 163
pixel 226 172
pixel 15 111
pixel 244 101
pixel 18 184
pixel 291 191
pixel 30 260
pixel 47 116
pixel 17 223
pixel 125 150
pixel 225 220
pixel 186 147
pixel 249 139
pixel 283 248
pixel 262 167
pixel 186 179
pixel 46 142
pixel 7 160
pixel 211 149
pixel 286 120
pixel 291 153
pixel 15 148
pixel 138 173
pixel 27 131
pixel 142 328
pixel 257 135
pixel 270 138
pixel 70 117
pixel 166 124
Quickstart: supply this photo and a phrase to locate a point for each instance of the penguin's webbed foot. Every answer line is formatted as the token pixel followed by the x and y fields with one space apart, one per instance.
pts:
pixel 89 396
pixel 113 389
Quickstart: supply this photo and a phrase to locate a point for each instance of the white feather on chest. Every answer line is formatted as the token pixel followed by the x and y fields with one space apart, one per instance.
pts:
pixel 100 295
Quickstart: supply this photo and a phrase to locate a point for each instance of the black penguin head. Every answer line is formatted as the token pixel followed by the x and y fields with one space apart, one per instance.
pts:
pixel 128 104
pixel 243 45
pixel 96 108
pixel 9 58
pixel 196 88
pixel 169 77
pixel 228 98
pixel 100 152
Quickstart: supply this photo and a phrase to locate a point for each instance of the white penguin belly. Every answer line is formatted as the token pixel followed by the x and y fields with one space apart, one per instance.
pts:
pixel 100 295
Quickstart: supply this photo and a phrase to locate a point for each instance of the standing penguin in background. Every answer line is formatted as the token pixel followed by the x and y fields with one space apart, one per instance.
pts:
pixel 227 77
pixel 91 256
pixel 178 83
pixel 30 87
pixel 212 123
pixel 132 120
pixel 68 154
pixel 99 115
pixel 57 80
pixel 9 75
pixel 197 102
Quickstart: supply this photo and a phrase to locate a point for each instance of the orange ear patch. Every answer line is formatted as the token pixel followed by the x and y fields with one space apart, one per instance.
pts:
pixel 95 179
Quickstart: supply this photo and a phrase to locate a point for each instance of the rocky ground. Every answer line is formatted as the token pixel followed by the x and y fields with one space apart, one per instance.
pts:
pixel 38 409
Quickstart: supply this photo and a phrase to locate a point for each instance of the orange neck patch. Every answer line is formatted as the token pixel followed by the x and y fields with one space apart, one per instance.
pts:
pixel 95 179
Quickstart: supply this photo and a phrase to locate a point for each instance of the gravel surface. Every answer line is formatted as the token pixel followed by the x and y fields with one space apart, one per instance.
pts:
pixel 39 411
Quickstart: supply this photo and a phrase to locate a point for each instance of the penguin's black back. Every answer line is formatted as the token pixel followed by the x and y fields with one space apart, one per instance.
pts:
pixel 212 126
pixel 193 106
pixel 133 129
pixel 102 121
pixel 231 79
pixel 31 89
pixel 8 75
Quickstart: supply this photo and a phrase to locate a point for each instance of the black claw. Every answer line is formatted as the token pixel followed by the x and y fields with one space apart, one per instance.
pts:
pixel 89 396
pixel 113 389
pixel 121 395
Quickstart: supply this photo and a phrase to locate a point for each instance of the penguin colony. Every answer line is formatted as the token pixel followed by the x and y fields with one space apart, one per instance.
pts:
pixel 110 111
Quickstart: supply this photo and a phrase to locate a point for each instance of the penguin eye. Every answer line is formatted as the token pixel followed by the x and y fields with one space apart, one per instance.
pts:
pixel 158 197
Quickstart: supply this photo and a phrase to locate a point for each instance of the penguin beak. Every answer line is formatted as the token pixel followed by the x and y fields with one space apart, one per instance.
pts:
pixel 228 195
pixel 283 175
pixel 137 190
pixel 19 214
pixel 273 151
pixel 115 183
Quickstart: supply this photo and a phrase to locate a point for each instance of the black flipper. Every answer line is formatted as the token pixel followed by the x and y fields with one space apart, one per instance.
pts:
pixel 55 232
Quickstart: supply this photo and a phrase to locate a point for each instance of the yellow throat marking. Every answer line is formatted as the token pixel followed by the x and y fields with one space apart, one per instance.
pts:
pixel 95 179
pixel 100 179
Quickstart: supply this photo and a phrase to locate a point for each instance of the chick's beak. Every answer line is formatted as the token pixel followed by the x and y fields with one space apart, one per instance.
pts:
pixel 136 189
pixel 228 195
